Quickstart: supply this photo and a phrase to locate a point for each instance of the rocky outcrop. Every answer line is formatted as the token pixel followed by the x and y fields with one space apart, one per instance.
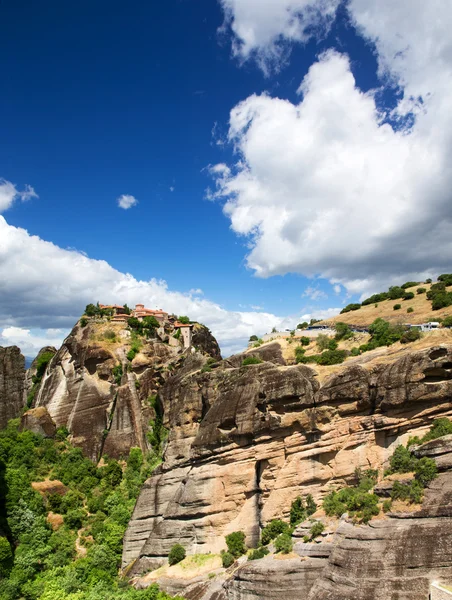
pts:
pixel 100 392
pixel 32 371
pixel 246 441
pixel 12 384
pixel 38 421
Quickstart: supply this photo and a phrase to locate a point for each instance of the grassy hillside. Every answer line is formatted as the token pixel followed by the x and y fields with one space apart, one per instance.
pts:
pixel 421 305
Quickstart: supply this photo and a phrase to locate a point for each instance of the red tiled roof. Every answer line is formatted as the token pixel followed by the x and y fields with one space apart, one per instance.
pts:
pixel 177 324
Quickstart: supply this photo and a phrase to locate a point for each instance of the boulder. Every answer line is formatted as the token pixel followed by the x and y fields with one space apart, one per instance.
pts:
pixel 38 421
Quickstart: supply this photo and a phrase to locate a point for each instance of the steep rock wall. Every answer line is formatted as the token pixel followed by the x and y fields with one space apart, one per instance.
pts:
pixel 12 384
pixel 245 441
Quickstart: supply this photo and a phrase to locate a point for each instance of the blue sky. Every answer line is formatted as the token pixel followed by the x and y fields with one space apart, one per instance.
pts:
pixel 109 98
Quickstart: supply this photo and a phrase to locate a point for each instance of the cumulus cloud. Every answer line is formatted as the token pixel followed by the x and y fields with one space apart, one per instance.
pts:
pixel 30 342
pixel 45 287
pixel 331 185
pixel 126 201
pixel 9 193
pixel 263 29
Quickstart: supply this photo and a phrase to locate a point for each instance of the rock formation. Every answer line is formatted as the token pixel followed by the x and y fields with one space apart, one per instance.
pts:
pixel 12 384
pixel 100 393
pixel 244 442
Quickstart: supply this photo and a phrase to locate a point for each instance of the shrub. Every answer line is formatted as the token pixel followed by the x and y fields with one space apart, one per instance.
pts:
pixel 109 334
pixel 412 493
pixel 6 557
pixel 73 518
pixel 332 345
pixel 177 553
pixel 421 290
pixel 350 307
pixel 323 342
pixel 408 296
pixel 61 433
pixel 343 331
pixel 304 340
pixel 227 559
pixel 411 335
pixel 375 298
pixel 425 470
pixel 311 506
pixel 445 278
pixel 331 357
pixel 355 351
pixel 439 428
pixel 396 292
pixel 302 325
pixel 428 281
pixel 236 543
pixel 447 322
pixel 83 322
pixel 258 553
pixel 283 543
pixel 297 511
pixel 317 528
pixel 184 320
pixel 357 501
pixel 117 374
pixel 272 530
pixel 131 354
pixel 387 505
pixel 397 307
pixel 402 461
pixel 251 360
pixel 409 284
pixel 410 309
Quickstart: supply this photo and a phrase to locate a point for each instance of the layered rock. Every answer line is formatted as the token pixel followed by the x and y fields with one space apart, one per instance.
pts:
pixel 246 441
pixel 93 389
pixel 12 384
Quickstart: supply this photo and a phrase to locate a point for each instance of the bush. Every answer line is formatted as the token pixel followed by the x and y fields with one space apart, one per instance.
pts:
pixel 397 307
pixel 109 334
pixel 355 351
pixel 402 461
pixel 302 325
pixel 387 505
pixel 343 331
pixel 411 335
pixel 305 341
pixel 408 296
pixel 410 309
pixel 447 322
pixel 357 501
pixel 412 493
pixel 272 530
pixel 425 471
pixel 311 506
pixel 322 341
pixel 83 322
pixel 409 284
pixel 396 292
pixel 376 298
pixel 117 374
pixel 317 528
pixel 297 511
pixel 73 518
pixel 184 320
pixel 421 290
pixel 236 543
pixel 258 553
pixel 227 559
pixel 331 357
pixel 177 553
pixel 350 307
pixel 251 360
pixel 131 354
pixel 439 428
pixel 283 543
pixel 253 338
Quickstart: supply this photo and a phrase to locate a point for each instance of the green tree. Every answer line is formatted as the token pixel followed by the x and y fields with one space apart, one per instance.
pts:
pixel 283 543
pixel 272 530
pixel 236 543
pixel 297 511
pixel 184 320
pixel 343 331
pixel 176 555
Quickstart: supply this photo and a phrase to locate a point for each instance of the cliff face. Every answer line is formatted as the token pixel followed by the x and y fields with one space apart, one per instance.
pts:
pixel 12 384
pixel 101 394
pixel 246 441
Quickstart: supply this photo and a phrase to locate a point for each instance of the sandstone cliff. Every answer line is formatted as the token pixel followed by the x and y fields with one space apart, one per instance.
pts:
pixel 100 392
pixel 12 384
pixel 246 441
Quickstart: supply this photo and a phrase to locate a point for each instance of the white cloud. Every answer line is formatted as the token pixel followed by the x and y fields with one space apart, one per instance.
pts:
pixel 30 342
pixel 337 289
pixel 262 28
pixel 314 293
pixel 35 296
pixel 126 201
pixel 326 186
pixel 9 193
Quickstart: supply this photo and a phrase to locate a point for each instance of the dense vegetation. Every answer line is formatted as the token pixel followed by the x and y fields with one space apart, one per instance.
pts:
pixel 78 557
